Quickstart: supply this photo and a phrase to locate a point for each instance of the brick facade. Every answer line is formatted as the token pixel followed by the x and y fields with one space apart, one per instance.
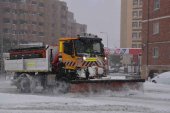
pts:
pixel 159 40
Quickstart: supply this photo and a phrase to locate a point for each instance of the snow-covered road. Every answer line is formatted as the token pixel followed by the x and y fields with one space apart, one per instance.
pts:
pixel 154 99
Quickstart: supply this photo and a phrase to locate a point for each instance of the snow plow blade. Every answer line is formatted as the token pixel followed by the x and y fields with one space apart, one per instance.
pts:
pixel 100 85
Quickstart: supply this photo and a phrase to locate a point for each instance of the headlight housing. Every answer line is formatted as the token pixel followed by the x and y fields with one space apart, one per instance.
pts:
pixel 84 58
pixel 60 59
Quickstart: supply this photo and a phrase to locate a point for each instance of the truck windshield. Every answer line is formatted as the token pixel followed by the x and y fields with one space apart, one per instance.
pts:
pixel 94 47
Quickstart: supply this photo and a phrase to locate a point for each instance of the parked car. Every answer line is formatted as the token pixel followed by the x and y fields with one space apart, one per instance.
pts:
pixel 163 78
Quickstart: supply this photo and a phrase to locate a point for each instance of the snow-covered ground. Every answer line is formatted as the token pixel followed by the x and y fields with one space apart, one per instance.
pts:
pixel 154 99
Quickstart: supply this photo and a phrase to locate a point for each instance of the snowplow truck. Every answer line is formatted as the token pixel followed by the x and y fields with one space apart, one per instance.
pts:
pixel 74 65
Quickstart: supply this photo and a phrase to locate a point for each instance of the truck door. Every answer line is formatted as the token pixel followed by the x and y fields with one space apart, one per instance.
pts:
pixel 69 55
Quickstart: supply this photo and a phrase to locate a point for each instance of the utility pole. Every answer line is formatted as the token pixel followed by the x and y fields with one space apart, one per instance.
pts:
pixel 2 50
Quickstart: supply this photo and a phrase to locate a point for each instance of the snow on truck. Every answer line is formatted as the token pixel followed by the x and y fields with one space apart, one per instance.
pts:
pixel 76 65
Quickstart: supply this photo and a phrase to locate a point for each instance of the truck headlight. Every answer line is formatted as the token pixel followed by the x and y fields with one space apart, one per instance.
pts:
pixel 84 58
pixel 60 59
pixel 105 58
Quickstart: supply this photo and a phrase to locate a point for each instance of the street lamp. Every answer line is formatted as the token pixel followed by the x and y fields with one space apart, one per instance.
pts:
pixel 1 54
pixel 107 36
pixel 107 48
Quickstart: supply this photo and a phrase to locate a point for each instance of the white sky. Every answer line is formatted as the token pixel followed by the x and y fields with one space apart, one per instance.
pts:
pixel 100 16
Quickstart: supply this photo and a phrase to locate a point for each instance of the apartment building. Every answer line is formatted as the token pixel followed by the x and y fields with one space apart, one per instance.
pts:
pixel 131 23
pixel 126 24
pixel 63 18
pixel 70 20
pixel 74 28
pixel 137 23
pixel 24 21
pixel 156 37
pixel 79 28
pixel 34 20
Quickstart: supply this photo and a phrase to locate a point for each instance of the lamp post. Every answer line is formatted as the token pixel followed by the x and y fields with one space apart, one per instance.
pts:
pixel 1 55
pixel 107 36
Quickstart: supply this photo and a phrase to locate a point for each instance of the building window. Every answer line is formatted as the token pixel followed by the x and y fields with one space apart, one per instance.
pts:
pixel 135 24
pixel 140 24
pixel 14 32
pixel 134 45
pixel 14 11
pixel 41 34
pixel 140 2
pixel 34 2
pixel 33 13
pixel 6 20
pixel 140 13
pixel 7 10
pixel 34 32
pixel 139 45
pixel 156 28
pixel 134 35
pixel 6 30
pixel 155 52
pixel 41 4
pixel 40 24
pixel 34 23
pixel 135 14
pixel 22 21
pixel 14 21
pixel 156 4
pixel 41 14
pixel 140 35
pixel 135 2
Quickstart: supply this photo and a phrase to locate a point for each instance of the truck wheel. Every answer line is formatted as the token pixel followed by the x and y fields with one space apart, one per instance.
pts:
pixel 61 87
pixel 25 85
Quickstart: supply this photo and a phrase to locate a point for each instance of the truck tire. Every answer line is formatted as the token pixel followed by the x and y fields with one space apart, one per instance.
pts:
pixel 25 85
pixel 62 87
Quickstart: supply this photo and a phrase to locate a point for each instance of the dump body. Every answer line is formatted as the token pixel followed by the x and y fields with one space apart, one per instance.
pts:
pixel 27 65
pixel 35 59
